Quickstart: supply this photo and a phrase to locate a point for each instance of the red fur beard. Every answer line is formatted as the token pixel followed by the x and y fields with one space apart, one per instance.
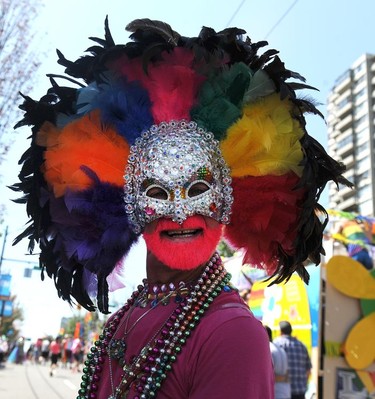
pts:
pixel 186 254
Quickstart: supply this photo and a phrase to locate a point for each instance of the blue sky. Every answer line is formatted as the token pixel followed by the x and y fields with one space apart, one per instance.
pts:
pixel 319 39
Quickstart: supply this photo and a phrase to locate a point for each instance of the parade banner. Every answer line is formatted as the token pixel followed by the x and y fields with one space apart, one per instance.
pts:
pixel 6 308
pixel 293 301
pixel 5 280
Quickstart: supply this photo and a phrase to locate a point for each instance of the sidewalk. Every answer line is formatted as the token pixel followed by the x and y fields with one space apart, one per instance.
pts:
pixel 31 381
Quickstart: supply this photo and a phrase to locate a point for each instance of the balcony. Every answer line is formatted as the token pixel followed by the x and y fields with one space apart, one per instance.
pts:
pixel 348 161
pixel 348 203
pixel 345 123
pixel 348 132
pixel 344 84
pixel 345 151
pixel 344 110
pixel 345 191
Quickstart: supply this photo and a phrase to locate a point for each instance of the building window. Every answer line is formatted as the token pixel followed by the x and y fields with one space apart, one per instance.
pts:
pixel 364 192
pixel 359 68
pixel 344 142
pixel 341 78
pixel 363 176
pixel 358 95
pixel 362 134
pixel 361 149
pixel 363 163
pixel 360 108
pixel 359 121
pixel 360 80
pixel 343 102
pixel 365 208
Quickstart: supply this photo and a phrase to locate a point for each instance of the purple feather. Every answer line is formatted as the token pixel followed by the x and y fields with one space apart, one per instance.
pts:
pixel 91 228
pixel 90 282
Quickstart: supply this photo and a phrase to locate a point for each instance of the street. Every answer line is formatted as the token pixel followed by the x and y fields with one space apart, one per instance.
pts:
pixel 32 381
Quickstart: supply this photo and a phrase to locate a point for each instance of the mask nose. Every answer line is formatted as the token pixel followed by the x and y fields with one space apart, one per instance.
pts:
pixel 178 205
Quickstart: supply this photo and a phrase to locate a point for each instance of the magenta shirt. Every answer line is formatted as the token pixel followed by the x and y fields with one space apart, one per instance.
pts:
pixel 227 356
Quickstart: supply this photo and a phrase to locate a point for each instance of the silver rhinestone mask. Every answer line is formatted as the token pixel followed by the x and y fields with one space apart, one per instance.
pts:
pixel 176 170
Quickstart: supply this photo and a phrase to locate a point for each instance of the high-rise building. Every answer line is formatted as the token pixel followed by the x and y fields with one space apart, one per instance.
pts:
pixel 351 136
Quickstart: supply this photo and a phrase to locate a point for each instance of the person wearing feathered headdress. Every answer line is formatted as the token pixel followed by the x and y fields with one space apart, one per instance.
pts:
pixel 183 141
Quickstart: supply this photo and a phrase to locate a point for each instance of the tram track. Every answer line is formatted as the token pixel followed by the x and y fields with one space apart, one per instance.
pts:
pixel 33 381
pixel 47 381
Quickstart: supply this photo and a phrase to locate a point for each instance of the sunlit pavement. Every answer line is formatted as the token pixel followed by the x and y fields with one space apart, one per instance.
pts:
pixel 33 381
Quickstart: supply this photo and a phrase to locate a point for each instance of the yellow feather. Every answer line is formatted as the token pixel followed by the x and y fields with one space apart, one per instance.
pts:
pixel 265 141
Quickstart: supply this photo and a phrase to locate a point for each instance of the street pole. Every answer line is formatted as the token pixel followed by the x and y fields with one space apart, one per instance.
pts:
pixel 3 248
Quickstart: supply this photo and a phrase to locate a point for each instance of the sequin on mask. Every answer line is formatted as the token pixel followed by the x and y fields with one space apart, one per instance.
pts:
pixel 176 170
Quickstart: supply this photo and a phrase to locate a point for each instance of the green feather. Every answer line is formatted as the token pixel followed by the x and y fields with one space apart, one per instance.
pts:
pixel 221 99
pixel 261 85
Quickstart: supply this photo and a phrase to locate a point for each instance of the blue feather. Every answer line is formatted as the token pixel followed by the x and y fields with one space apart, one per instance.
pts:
pixel 127 107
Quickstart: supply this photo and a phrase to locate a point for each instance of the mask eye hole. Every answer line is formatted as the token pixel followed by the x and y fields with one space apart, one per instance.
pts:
pixel 197 189
pixel 157 192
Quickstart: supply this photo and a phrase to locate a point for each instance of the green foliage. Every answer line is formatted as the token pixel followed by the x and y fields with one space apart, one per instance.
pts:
pixel 225 250
pixel 7 324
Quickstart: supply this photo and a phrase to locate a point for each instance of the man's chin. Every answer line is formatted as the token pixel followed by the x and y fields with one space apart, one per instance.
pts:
pixel 184 253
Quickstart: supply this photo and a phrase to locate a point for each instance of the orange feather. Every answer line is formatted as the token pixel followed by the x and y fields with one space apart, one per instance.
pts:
pixel 83 142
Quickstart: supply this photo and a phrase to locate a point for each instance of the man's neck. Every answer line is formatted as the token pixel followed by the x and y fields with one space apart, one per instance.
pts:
pixel 159 273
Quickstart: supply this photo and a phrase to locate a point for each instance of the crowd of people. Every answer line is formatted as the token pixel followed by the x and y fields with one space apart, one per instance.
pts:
pixel 61 351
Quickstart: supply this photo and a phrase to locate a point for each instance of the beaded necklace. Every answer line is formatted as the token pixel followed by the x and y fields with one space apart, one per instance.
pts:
pixel 147 371
pixel 117 347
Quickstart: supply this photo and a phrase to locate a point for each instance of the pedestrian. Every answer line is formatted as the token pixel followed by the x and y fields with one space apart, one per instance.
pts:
pixel 280 368
pixel 55 354
pixel 299 363
pixel 173 138
pixel 20 344
pixel 67 350
pixel 77 353
pixel 45 350
pixel 38 350
pixel 4 347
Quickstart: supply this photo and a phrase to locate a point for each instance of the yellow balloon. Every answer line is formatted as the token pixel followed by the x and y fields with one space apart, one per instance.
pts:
pixel 350 277
pixel 359 347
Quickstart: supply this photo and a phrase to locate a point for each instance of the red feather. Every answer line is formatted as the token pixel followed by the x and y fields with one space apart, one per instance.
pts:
pixel 271 208
pixel 172 84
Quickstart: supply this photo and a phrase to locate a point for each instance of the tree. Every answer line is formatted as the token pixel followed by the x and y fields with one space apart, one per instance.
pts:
pixel 88 323
pixel 18 56
pixel 225 250
pixel 19 60
pixel 8 325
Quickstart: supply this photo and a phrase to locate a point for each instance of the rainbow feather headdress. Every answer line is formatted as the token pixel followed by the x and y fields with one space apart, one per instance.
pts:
pixel 73 172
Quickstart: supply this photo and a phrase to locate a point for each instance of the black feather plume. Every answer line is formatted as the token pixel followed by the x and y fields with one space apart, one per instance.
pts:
pixel 148 26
